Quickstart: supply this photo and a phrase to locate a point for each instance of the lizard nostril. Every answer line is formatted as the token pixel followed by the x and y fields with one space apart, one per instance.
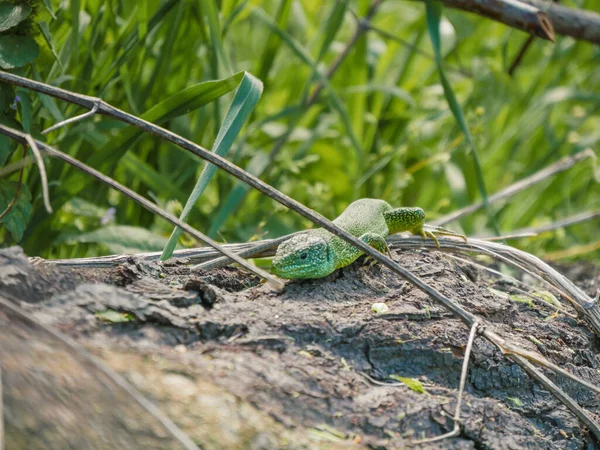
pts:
pixel 303 256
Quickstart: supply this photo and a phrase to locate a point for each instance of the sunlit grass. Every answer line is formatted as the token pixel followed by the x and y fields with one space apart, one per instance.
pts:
pixel 381 126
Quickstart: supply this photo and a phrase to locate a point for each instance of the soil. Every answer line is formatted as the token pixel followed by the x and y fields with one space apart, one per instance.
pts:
pixel 236 364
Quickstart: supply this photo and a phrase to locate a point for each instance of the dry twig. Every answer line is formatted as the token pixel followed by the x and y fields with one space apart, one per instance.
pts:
pixel 559 166
pixel 463 379
pixel 42 169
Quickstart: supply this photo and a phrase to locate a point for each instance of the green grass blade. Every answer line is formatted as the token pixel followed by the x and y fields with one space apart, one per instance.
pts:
pixel 244 102
pixel 303 54
pixel 209 7
pixel 434 14
pixel 75 8
pixel 145 173
pixel 274 42
pixel 332 26
pixel 48 38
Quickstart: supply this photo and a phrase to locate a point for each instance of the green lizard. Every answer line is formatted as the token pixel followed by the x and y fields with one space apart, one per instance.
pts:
pixel 317 253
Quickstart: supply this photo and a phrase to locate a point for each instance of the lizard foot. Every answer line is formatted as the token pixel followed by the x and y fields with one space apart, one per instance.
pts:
pixel 432 231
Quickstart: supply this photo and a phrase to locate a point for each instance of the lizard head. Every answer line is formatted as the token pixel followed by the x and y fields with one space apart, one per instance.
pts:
pixel 303 256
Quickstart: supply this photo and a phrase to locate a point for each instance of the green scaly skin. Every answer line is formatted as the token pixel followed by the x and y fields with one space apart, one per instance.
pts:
pixel 317 253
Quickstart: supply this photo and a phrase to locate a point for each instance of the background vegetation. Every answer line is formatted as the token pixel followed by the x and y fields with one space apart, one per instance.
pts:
pixel 381 127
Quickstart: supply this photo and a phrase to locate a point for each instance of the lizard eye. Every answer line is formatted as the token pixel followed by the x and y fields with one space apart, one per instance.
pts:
pixel 303 255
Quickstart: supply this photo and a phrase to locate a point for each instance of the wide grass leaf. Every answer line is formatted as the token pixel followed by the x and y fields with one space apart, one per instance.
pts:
pixel 243 104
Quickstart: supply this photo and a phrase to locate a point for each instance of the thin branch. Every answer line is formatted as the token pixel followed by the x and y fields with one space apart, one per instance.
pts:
pixel 463 379
pixel 508 348
pixel 541 18
pixel 381 383
pixel 515 14
pixel 19 184
pixel 249 253
pixel 42 169
pixel 580 24
pixel 559 166
pixel 22 137
pixel 515 281
pixel 562 223
pixel 520 55
pixel 66 122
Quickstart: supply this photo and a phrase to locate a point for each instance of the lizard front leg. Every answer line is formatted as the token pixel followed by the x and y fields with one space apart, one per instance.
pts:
pixel 378 243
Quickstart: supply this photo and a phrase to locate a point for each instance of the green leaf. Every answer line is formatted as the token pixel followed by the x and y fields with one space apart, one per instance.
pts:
pixel 332 26
pixel 17 217
pixel 143 17
pixel 46 100
pixel 112 316
pixel 548 297
pixel 244 102
pixel 75 8
pixel 411 383
pixel 43 26
pixel 517 298
pixel 16 51
pixel 303 54
pixel 145 173
pixel 209 7
pixel 434 14
pixel 516 402
pixel 274 42
pixel 49 8
pixel 123 239
pixel 12 15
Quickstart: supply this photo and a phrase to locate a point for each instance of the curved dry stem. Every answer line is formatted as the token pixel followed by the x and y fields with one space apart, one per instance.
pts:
pixel 543 174
pixel 42 169
pixel 83 116
pixel 463 379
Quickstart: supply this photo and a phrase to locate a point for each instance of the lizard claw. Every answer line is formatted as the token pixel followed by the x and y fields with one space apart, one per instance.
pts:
pixel 427 234
pixel 432 230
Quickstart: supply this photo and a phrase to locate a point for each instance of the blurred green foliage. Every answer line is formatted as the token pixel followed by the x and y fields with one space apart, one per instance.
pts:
pixel 380 127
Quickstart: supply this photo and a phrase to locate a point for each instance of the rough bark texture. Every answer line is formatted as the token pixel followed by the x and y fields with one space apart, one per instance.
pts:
pixel 236 364
pixel 541 18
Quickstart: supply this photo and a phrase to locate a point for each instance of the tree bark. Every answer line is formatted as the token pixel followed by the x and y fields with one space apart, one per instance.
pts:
pixel 541 18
